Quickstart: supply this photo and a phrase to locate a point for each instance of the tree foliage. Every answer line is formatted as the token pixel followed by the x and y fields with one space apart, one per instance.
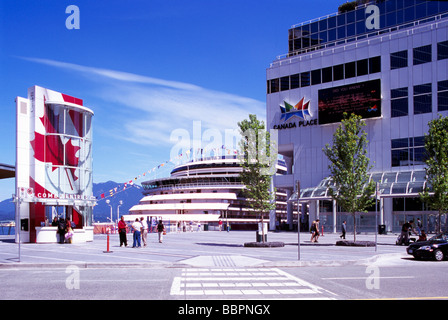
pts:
pixel 258 161
pixel 436 146
pixel 349 167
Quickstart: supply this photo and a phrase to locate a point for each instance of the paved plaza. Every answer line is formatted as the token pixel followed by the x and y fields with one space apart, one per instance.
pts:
pixel 199 249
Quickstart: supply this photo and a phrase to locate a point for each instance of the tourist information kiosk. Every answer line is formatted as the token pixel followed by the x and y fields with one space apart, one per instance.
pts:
pixel 54 176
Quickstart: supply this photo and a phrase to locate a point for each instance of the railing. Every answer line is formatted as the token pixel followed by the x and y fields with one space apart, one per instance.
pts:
pixel 294 54
pixel 217 185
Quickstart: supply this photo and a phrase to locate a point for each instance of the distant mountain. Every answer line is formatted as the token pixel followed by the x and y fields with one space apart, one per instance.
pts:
pixel 101 212
pixel 130 197
pixel 7 209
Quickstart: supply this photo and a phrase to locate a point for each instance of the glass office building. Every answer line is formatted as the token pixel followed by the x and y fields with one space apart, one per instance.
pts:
pixel 384 60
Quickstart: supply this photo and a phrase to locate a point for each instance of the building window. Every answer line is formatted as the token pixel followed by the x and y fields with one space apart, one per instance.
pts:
pixel 399 60
pixel 399 102
pixel 422 99
pixel 442 50
pixel 284 83
pixel 422 55
pixel 338 72
pixel 305 79
pixel 442 95
pixel 274 85
pixel 295 81
pixel 408 151
pixel 375 65
pixel 327 75
pixel 362 67
pixel 350 70
pixel 316 77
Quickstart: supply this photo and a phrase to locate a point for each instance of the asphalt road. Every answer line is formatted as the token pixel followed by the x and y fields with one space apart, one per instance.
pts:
pixel 388 278
pixel 215 266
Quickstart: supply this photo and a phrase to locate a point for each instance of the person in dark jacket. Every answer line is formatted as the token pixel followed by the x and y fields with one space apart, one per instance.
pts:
pixel 344 229
pixel 62 229
pixel 160 230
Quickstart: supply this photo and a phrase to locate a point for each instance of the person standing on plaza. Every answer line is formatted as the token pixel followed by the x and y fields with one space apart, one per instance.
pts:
pixel 315 231
pixel 137 227
pixel 144 231
pixel 62 228
pixel 160 230
pixel 404 237
pixel 122 232
pixel 344 229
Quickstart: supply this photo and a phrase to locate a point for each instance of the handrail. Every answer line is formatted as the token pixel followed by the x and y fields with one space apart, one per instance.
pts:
pixel 294 54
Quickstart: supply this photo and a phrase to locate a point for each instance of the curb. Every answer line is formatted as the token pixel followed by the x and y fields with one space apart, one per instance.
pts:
pixel 175 265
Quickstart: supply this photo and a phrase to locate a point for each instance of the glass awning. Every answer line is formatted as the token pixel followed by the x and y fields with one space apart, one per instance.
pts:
pixel 391 184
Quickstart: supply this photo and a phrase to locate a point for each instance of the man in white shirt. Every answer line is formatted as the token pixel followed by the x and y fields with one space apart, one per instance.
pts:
pixel 144 230
pixel 137 227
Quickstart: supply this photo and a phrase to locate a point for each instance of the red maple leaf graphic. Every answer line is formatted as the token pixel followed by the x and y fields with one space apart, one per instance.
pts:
pixel 50 148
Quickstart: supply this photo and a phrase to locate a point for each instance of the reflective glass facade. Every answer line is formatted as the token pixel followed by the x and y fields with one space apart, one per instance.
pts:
pixel 347 26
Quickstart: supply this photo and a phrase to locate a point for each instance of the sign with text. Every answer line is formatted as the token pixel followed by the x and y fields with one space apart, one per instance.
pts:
pixel 362 99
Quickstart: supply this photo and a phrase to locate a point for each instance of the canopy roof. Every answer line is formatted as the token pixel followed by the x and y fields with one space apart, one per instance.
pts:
pixel 391 184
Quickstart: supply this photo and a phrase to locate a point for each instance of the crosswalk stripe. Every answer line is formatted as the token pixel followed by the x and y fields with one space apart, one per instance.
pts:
pixel 241 281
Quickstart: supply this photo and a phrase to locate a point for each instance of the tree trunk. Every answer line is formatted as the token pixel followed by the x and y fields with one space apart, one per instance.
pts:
pixel 262 228
pixel 354 226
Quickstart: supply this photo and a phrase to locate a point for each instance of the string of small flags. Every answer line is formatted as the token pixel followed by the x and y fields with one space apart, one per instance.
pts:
pixel 189 154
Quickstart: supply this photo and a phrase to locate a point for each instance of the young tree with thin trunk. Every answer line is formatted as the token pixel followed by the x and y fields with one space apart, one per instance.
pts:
pixel 349 167
pixel 436 146
pixel 258 160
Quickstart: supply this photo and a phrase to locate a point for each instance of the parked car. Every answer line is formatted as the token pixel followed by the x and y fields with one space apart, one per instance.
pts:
pixel 435 248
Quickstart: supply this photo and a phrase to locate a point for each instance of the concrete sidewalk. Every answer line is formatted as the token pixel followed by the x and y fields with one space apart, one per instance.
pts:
pixel 198 249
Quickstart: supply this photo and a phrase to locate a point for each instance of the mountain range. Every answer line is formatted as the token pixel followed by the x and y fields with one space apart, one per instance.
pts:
pixel 101 212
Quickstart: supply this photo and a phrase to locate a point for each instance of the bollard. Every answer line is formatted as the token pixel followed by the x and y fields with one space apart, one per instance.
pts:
pixel 108 251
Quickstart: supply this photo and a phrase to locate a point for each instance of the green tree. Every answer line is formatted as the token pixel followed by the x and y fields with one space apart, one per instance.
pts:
pixel 349 167
pixel 258 160
pixel 436 146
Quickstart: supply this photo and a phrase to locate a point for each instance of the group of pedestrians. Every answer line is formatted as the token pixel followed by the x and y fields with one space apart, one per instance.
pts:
pixel 65 229
pixel 408 228
pixel 140 232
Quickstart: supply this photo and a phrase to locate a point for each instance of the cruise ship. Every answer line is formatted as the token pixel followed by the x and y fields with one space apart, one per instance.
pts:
pixel 203 192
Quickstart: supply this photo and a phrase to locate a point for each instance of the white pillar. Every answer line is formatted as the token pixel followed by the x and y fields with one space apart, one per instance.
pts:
pixel 334 215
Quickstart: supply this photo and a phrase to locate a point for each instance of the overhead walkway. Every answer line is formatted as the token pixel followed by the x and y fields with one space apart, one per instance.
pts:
pixel 7 171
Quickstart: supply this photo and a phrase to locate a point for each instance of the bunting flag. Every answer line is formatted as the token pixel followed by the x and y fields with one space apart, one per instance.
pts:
pixel 185 156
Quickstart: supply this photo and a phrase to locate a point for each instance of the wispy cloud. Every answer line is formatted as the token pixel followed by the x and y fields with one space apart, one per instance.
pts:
pixel 157 106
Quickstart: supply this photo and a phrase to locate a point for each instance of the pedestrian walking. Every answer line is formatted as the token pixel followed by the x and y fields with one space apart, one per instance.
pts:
pixel 419 226
pixel 160 230
pixel 137 227
pixel 122 232
pixel 344 229
pixel 220 225
pixel 315 231
pixel 144 231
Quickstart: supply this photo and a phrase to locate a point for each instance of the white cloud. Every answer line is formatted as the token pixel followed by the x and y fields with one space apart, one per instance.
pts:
pixel 156 107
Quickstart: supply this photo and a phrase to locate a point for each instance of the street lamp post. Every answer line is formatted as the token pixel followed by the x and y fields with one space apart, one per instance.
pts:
pixel 118 210
pixel 108 203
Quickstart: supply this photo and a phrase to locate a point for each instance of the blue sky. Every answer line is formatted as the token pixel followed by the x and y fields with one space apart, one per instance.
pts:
pixel 148 69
